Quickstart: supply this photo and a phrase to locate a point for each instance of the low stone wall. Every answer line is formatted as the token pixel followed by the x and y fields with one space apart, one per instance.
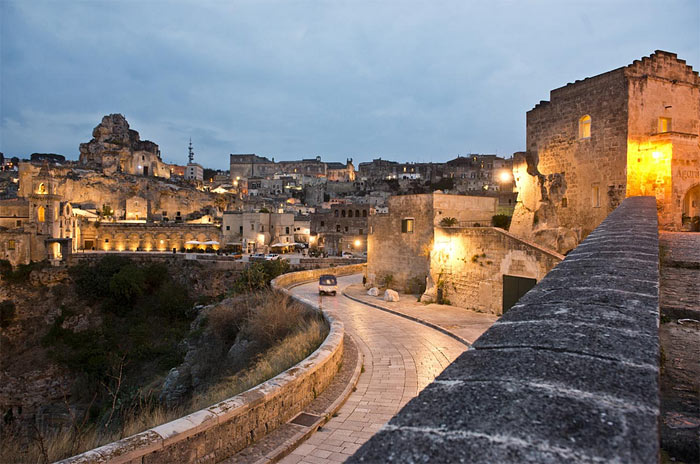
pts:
pixel 285 281
pixel 217 432
pixel 569 374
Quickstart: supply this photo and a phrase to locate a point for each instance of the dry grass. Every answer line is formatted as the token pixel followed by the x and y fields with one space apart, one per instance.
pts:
pixel 289 330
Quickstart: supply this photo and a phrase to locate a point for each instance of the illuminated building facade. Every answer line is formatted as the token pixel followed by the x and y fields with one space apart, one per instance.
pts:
pixel 630 131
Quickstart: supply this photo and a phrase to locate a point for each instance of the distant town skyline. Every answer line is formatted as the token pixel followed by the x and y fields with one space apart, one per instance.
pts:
pixel 412 82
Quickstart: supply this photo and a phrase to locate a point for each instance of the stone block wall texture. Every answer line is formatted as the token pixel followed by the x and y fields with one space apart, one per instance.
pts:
pixel 569 374
pixel 217 432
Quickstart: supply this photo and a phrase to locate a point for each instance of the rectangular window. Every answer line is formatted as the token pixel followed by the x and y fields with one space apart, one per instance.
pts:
pixel 240 230
pixel 596 196
pixel 407 226
pixel 228 227
pixel 337 227
pixel 11 245
pixel 19 222
pixel 252 226
pixel 361 232
pixel 346 228
pixel 664 124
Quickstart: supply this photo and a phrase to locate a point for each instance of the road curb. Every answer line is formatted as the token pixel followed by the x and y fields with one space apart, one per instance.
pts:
pixel 411 318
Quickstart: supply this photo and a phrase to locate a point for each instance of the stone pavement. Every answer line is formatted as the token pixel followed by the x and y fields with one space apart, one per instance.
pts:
pixel 680 274
pixel 466 325
pixel 401 357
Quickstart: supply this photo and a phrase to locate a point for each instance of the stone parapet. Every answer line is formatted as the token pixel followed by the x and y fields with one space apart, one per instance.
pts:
pixel 569 374
pixel 221 430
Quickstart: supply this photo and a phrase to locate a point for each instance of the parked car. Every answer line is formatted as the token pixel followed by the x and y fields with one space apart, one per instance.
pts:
pixel 271 256
pixel 327 283
pixel 347 254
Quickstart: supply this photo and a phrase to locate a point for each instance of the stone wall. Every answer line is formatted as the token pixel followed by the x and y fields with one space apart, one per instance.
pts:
pixel 147 236
pixel 218 432
pixel 569 374
pixel 471 263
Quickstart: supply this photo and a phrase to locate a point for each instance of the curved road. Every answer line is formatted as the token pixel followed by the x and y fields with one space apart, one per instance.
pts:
pixel 401 357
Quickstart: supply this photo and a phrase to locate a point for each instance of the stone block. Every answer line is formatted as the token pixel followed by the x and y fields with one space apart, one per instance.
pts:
pixel 374 291
pixel 391 295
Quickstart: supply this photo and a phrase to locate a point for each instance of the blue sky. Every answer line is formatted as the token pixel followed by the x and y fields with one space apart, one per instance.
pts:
pixel 403 80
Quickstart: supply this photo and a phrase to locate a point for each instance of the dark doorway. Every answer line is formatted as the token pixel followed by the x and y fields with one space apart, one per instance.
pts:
pixel 89 245
pixel 145 170
pixel 514 288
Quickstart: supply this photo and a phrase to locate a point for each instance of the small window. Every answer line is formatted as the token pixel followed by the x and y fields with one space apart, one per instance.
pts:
pixel 336 213
pixel 240 230
pixel 323 223
pixel 357 213
pixel 177 214
pixel 596 196
pixel 407 226
pixel 262 228
pixel 286 230
pixel 252 226
pixel 664 124
pixel 564 202
pixel 41 214
pixel 342 213
pixel 228 227
pixel 346 228
pixel 362 232
pixel 364 213
pixel 106 240
pixel 19 222
pixel 165 213
pixel 350 213
pixel 11 245
pixel 337 227
pixel 584 127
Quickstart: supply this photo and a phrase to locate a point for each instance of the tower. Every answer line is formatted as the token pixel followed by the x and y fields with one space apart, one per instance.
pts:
pixel 191 152
pixel 44 203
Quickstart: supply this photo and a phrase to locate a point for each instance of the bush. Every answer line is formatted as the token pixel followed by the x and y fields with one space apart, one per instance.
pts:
pixel 501 220
pixel 21 274
pixel 448 222
pixel 7 313
pixel 273 317
pixel 415 286
pixel 257 276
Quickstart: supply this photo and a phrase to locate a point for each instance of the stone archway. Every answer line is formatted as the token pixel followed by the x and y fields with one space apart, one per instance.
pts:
pixel 691 209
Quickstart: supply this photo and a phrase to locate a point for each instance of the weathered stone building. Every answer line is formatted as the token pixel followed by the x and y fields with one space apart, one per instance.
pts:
pixel 114 147
pixel 257 231
pixel 343 228
pixel 441 238
pixel 631 131
pixel 250 165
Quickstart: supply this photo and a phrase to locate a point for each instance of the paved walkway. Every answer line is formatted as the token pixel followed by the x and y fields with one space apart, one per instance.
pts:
pixel 467 325
pixel 401 357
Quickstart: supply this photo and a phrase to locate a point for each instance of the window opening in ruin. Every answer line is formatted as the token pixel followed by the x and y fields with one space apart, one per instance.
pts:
pixel 564 202
pixel 41 214
pixel 596 196
pixel 584 127
pixel 11 245
pixel 407 226
pixel 664 124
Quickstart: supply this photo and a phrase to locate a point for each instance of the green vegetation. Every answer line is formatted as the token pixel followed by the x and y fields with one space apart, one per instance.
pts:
pixel 21 274
pixel 257 276
pixel 448 222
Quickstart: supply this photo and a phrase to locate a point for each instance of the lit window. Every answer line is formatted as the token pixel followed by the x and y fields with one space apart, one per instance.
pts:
pixel 41 214
pixel 584 127
pixel 42 189
pixel 664 124
pixel 407 226
pixel 11 245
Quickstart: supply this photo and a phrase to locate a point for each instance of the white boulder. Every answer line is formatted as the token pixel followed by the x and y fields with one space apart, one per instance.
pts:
pixel 374 291
pixel 391 295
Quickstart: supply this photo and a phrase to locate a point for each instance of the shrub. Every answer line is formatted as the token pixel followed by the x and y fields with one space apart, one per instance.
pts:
pixel 501 220
pixel 273 317
pixel 7 313
pixel 448 222
pixel 415 286
pixel 21 274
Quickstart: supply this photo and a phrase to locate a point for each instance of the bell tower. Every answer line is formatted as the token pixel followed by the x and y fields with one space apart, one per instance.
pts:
pixel 44 203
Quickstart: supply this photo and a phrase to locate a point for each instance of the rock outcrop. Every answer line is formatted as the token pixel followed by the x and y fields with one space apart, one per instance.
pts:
pixel 115 147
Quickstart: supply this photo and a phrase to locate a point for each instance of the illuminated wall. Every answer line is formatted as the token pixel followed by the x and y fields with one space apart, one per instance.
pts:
pixel 649 169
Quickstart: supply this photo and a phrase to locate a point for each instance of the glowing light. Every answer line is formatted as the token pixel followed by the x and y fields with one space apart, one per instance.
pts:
pixel 649 169
pixel 358 243
pixel 261 238
pixel 657 155
pixel 312 239
pixel 505 176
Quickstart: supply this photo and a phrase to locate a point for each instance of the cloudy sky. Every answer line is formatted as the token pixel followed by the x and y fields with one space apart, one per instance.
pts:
pixel 403 80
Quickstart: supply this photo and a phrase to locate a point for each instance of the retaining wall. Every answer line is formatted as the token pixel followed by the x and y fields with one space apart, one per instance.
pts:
pixel 217 432
pixel 569 374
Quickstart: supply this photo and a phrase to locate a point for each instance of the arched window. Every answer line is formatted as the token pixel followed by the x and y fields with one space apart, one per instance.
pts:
pixel 41 214
pixel 342 213
pixel 584 127
pixel 349 213
pixel 364 213
pixel 42 188
pixel 357 213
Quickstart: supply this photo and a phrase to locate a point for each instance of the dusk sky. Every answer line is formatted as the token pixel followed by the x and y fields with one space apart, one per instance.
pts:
pixel 402 80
